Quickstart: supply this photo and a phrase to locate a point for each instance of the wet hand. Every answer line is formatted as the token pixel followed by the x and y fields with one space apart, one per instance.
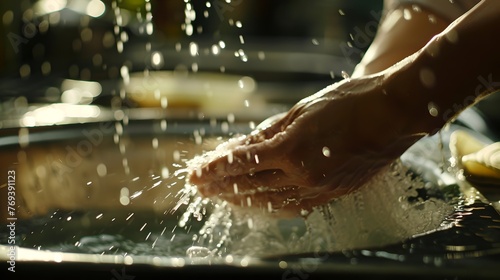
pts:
pixel 325 146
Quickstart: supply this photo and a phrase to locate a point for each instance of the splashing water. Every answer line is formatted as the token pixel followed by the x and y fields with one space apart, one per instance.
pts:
pixel 345 75
pixel 377 214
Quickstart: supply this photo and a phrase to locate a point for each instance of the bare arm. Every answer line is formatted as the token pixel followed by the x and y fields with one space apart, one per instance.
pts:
pixel 392 43
pixel 454 70
pixel 332 142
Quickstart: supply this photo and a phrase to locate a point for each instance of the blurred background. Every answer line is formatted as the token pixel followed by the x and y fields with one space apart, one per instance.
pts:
pixel 73 73
pixel 286 49
pixel 188 58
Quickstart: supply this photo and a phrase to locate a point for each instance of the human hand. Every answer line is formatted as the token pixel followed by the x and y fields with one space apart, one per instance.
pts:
pixel 327 145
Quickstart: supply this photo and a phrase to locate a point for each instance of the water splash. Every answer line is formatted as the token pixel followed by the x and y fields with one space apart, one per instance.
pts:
pixel 345 75
pixel 393 199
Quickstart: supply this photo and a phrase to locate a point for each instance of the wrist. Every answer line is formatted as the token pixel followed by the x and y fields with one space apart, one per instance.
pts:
pixel 453 71
pixel 409 85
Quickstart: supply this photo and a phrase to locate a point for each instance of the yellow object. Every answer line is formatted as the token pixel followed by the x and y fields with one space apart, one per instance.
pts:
pixel 207 91
pixel 480 161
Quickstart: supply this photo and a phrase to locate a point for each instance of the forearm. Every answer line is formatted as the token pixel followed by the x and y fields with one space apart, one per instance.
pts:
pixel 454 70
pixel 392 43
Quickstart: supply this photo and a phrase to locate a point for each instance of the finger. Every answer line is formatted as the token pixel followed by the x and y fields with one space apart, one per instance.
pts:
pixel 268 200
pixel 274 125
pixel 289 201
pixel 247 184
pixel 307 205
pixel 284 204
pixel 242 160
pixel 272 120
pixel 266 130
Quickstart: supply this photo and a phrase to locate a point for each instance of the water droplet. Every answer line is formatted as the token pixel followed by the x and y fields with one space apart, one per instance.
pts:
pixel 193 49
pixel 46 68
pixel 23 137
pixel 86 35
pixel 433 109
pixel 407 14
pixel 230 118
pixel 128 260
pixel 8 17
pixel 102 170
pixel 432 50
pixel 165 172
pixel 163 125
pixel 119 46
pixel 154 143
pixel 198 252
pixel 215 49
pixel 230 158
pixel 451 36
pixel 157 60
pixel 326 151
pixel 345 75
pixel 256 158
pixel 241 54
pixel 95 8
pixel 224 126
pixel 432 19
pixel 270 207
pixel 124 198
pixel 246 83
pixel 427 77
pixel 164 102
pixel 177 155
pixel 119 128
pixel 24 71
pixel 124 72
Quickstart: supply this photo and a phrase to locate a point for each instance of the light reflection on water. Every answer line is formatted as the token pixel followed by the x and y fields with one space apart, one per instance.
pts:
pixel 470 229
pixel 433 218
pixel 414 213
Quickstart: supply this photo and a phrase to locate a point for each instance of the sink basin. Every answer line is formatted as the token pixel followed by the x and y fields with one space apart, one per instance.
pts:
pixel 105 197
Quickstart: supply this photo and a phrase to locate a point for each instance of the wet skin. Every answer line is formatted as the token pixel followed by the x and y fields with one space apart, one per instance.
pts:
pixel 331 143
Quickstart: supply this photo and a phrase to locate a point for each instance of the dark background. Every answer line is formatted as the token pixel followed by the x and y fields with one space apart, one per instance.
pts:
pixel 334 32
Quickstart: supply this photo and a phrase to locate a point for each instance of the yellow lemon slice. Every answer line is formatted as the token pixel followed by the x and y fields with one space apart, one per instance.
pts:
pixel 480 161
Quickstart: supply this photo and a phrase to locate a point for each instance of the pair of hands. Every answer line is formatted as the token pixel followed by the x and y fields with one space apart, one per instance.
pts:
pixel 327 145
